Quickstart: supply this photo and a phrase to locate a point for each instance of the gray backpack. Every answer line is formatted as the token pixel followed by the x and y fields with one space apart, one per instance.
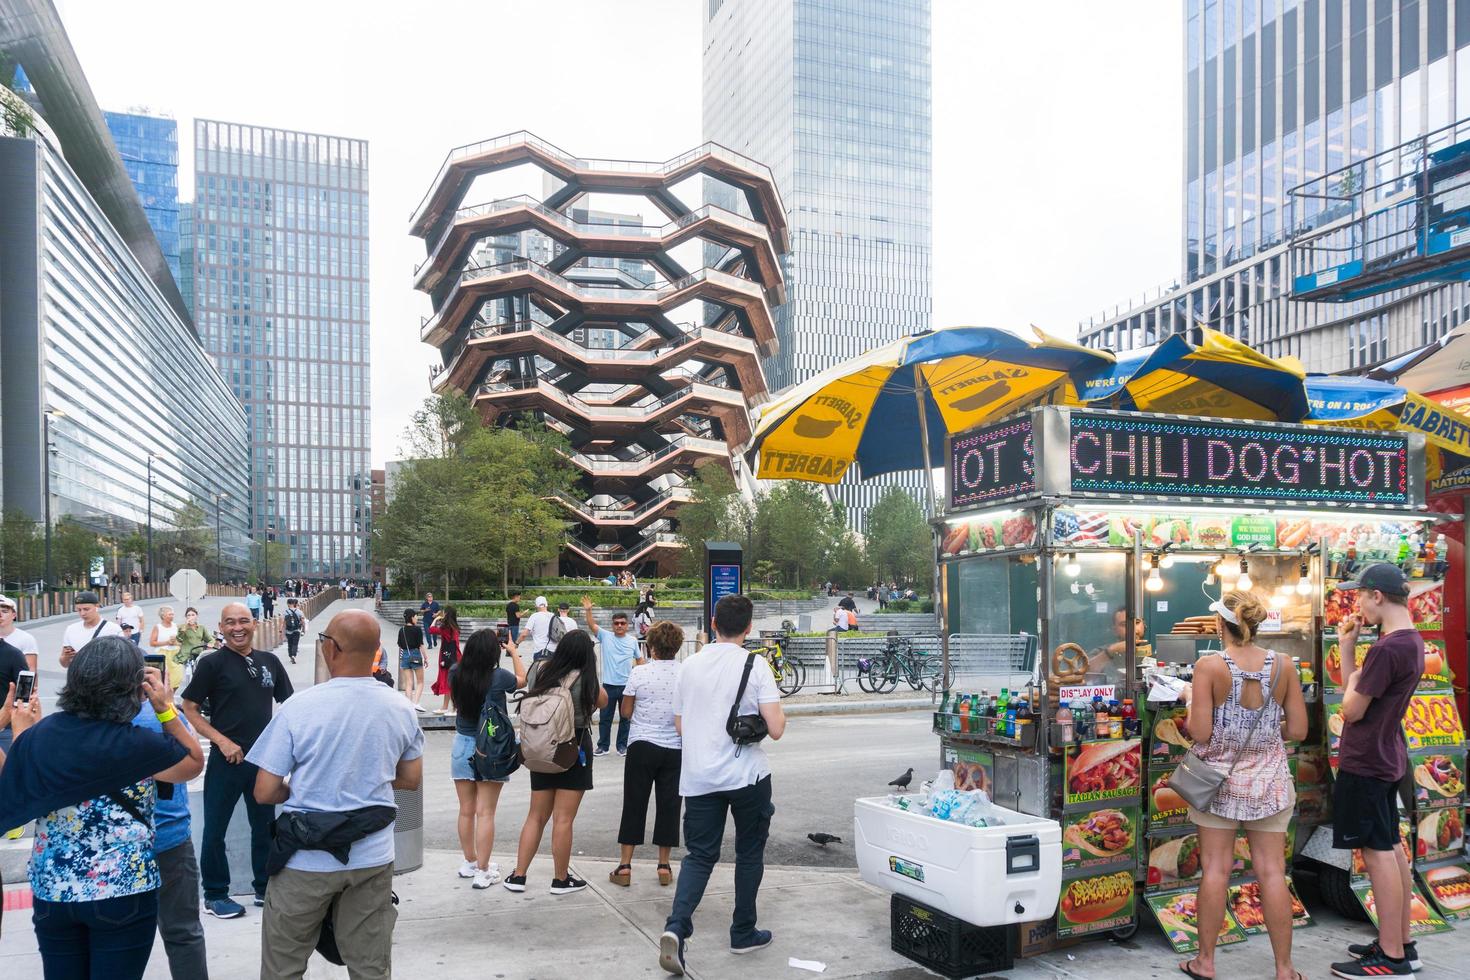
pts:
pixel 548 728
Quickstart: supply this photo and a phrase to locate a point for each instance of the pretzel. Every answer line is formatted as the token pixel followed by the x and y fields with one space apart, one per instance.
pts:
pixel 1069 668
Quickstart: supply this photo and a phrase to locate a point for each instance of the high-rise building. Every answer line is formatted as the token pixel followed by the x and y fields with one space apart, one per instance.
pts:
pixel 1279 93
pixel 103 384
pixel 280 284
pixel 149 146
pixel 835 98
pixel 605 327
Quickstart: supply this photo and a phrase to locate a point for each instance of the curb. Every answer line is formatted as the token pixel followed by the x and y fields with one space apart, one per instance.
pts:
pixel 837 707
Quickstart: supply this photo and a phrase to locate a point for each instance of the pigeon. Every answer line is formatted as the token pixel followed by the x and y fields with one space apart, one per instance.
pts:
pixel 823 839
pixel 902 782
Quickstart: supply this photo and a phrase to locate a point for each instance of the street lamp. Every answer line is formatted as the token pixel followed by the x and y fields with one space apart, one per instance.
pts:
pixel 152 572
pixel 46 416
pixel 218 554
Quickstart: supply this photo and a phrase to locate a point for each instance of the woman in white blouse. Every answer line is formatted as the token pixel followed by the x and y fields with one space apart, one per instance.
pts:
pixel 654 753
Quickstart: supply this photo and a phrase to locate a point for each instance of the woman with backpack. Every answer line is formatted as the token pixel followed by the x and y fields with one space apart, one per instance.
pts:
pixel 476 677
pixel 654 753
pixel 446 628
pixel 556 795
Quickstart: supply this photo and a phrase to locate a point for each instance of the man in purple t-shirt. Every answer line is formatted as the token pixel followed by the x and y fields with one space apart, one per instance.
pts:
pixel 1373 761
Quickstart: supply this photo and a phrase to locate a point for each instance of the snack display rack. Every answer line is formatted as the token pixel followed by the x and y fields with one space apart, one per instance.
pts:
pixel 1105 535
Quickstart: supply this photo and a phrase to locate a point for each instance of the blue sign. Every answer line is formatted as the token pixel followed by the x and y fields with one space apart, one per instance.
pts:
pixel 723 580
pixel 1327 277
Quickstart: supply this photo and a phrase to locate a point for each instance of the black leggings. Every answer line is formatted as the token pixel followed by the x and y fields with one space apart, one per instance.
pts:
pixel 650 767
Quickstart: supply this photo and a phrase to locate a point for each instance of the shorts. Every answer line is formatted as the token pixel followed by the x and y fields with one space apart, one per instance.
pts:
pixel 460 754
pixel 1275 823
pixel 410 659
pixel 1365 813
pixel 578 777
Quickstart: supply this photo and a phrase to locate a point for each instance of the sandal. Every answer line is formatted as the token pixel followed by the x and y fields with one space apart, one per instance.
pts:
pixel 665 874
pixel 621 875
pixel 1186 969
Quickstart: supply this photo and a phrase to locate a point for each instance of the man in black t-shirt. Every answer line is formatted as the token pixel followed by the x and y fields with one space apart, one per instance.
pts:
pixel 241 685
pixel 513 616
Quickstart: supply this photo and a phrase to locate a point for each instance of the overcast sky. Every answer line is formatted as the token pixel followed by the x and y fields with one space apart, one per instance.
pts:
pixel 1057 149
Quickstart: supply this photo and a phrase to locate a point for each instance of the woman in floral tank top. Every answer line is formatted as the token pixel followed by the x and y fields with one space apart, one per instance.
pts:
pixel 1243 703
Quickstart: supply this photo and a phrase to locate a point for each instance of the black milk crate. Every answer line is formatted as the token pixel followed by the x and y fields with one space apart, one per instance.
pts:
pixel 946 945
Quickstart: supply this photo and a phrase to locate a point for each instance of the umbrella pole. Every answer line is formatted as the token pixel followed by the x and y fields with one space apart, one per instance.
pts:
pixel 938 578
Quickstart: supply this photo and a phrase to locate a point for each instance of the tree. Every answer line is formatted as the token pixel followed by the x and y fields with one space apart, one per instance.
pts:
pixel 22 547
pixel 712 514
pixel 795 529
pixel 268 559
pixel 72 549
pixel 188 542
pixel 847 565
pixel 900 544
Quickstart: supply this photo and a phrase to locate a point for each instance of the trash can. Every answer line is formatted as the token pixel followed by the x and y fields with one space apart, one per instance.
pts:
pixel 408 832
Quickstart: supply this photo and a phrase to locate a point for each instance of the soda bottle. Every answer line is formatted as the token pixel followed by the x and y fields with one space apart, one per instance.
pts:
pixel 1005 699
pixel 1403 552
pixel 976 725
pixel 1064 723
pixel 1350 560
pixel 1334 561
pixel 1130 718
pixel 1010 721
pixel 1116 711
pixel 962 717
pixel 1441 557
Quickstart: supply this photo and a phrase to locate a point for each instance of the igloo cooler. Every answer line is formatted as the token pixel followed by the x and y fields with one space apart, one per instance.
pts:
pixel 987 876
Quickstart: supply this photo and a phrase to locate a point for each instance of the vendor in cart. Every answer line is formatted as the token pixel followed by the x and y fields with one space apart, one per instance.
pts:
pixel 1107 662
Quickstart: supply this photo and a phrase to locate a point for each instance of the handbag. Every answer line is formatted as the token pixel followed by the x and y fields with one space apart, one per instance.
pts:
pixel 745 729
pixel 1198 782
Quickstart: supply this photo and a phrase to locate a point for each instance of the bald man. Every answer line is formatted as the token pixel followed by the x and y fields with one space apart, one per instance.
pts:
pixel 346 746
pixel 241 686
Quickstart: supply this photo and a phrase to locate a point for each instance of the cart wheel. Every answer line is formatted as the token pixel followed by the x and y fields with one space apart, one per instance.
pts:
pixel 1124 933
pixel 1336 887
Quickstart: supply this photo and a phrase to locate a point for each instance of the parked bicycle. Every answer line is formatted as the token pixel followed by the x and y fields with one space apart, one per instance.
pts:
pixel 790 674
pixel 898 659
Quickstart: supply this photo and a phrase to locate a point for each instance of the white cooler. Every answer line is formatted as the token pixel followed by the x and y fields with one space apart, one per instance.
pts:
pixel 987 876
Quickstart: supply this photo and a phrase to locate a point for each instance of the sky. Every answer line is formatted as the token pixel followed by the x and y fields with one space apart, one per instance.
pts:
pixel 1057 147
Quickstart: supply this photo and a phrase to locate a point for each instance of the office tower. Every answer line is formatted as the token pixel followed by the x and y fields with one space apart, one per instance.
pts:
pixel 1279 93
pixel 280 270
pixel 149 146
pixel 639 342
pixel 102 381
pixel 835 99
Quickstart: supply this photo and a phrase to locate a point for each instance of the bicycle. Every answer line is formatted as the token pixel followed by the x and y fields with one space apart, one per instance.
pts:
pixel 899 659
pixel 790 674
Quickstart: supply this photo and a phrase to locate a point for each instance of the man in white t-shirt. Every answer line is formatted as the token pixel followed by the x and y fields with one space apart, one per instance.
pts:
pixel 539 626
pixel 88 628
pixel 129 614
pixel 14 635
pixel 719 778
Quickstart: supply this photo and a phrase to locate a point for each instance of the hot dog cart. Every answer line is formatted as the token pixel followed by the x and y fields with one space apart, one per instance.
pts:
pixel 1105 536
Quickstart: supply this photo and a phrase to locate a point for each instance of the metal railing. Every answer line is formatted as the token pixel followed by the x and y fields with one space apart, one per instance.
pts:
pixel 696 389
pixel 608 514
pixel 594 165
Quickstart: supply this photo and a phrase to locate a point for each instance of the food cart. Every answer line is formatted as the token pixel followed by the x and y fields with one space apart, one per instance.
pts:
pixel 1105 535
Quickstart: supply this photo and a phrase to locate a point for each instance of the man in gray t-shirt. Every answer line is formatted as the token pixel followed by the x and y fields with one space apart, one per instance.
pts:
pixel 346 744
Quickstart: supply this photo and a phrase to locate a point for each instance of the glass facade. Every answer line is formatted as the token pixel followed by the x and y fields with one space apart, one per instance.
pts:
pixel 1279 92
pixel 149 146
pixel 280 297
pixel 88 336
pixel 834 97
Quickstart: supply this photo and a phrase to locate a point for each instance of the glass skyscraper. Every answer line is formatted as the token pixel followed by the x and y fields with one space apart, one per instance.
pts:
pixel 280 292
pixel 149 146
pixel 833 96
pixel 1277 93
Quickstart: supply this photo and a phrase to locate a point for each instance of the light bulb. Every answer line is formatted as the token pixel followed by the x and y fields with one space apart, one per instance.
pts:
pixel 1304 583
pixel 1244 583
pixel 1167 561
pixel 1154 582
pixel 1072 566
pixel 1278 600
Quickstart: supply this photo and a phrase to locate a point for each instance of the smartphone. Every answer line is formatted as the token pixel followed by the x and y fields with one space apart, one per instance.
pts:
pixel 25 686
pixel 154 660
pixel 502 633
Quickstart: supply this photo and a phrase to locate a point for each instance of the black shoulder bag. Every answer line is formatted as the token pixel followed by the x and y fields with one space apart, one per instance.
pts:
pixel 745 729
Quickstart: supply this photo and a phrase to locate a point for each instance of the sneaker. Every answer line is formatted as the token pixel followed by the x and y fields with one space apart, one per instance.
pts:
pixel 514 883
pixel 260 900
pixel 623 751
pixel 671 953
pixel 419 707
pixel 599 751
pixel 486 878
pixel 1374 964
pixel 1411 953
pixel 565 886
pixel 224 908
pixel 15 834
pixel 759 939
pixel 468 870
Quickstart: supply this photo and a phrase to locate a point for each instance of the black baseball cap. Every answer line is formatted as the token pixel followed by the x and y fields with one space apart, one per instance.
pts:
pixel 84 597
pixel 1380 576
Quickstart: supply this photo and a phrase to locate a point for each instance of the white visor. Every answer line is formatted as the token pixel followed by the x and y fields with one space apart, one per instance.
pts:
pixel 1224 613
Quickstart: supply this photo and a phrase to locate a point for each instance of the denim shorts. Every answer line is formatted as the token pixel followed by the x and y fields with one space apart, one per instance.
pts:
pixel 410 659
pixel 459 760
